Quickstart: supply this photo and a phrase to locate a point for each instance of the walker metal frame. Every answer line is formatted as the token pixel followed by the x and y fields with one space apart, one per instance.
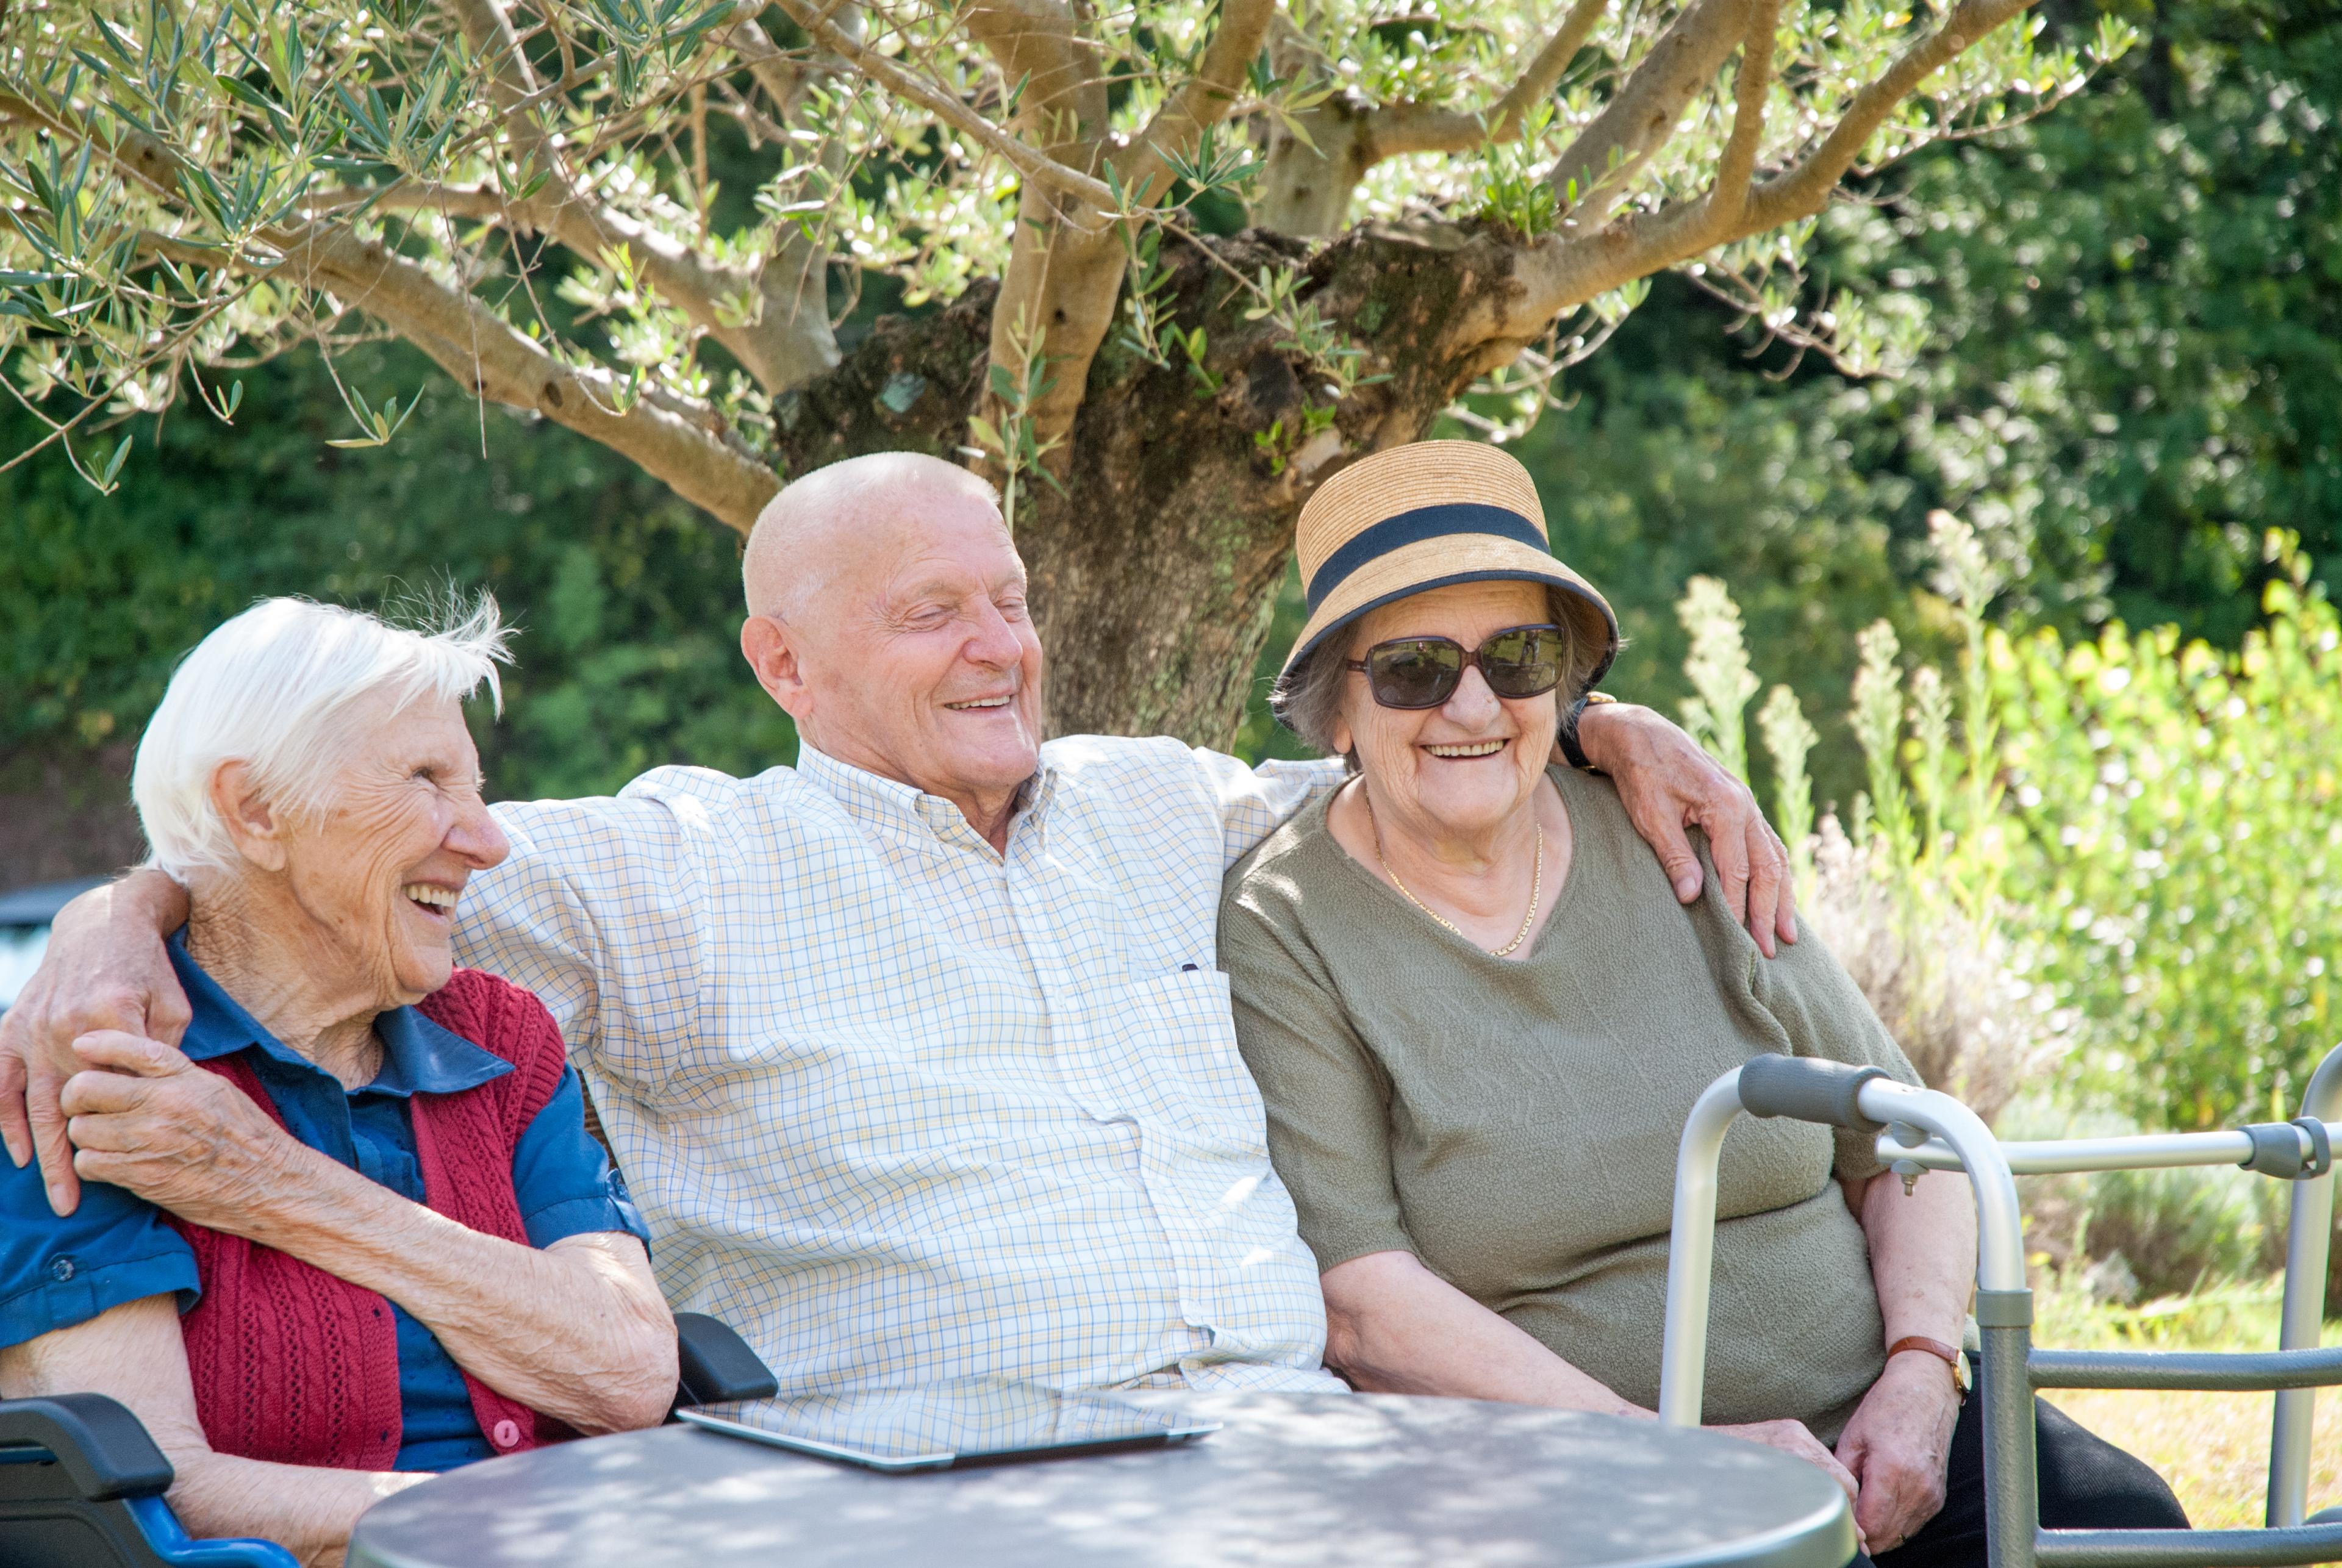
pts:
pixel 1921 1129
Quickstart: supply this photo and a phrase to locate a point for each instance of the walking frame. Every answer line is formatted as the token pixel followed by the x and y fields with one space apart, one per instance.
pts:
pixel 1920 1130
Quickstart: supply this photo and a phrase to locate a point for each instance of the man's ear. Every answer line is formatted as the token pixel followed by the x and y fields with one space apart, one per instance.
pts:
pixel 769 646
pixel 255 827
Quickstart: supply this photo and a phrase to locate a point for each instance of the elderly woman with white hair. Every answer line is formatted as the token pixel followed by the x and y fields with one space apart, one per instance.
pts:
pixel 353 1230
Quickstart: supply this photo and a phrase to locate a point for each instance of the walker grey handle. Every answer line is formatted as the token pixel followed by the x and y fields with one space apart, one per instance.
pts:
pixel 1835 1094
pixel 1808 1090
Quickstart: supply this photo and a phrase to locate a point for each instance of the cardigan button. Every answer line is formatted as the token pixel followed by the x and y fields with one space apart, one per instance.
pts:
pixel 507 1434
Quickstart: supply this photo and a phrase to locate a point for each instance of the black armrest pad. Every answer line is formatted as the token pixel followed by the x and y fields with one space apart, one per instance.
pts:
pixel 716 1364
pixel 104 1449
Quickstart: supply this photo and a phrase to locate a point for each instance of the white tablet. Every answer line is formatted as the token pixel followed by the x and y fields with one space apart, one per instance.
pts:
pixel 949 1425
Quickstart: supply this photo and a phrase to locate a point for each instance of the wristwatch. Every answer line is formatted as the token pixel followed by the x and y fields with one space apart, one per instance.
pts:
pixel 1571 752
pixel 1936 1347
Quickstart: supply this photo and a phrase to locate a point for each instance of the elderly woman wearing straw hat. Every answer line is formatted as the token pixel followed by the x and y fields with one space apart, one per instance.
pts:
pixel 1478 1017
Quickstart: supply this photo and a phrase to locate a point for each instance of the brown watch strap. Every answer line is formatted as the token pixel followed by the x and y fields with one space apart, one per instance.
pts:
pixel 1942 1352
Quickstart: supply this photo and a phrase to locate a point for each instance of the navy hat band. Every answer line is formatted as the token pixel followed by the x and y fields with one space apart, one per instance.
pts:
pixel 1407 528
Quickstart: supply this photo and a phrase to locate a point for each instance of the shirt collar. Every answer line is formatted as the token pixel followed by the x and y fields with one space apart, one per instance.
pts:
pixel 419 1057
pixel 885 801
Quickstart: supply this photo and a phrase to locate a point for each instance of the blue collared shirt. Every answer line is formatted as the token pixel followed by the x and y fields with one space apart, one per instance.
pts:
pixel 116 1248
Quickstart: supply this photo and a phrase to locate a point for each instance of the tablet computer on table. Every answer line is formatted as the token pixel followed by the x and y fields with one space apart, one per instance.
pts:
pixel 951 1425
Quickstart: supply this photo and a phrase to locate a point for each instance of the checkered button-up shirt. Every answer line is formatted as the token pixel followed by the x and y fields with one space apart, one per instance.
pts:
pixel 900 1107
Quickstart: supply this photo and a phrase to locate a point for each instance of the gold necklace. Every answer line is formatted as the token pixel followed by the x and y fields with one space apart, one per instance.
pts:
pixel 1536 884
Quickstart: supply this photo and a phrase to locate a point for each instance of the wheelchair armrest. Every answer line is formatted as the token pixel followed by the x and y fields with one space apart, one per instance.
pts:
pixel 716 1365
pixel 103 1448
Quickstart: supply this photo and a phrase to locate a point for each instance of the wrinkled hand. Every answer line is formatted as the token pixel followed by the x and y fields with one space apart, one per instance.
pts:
pixel 1792 1438
pixel 1898 1447
pixel 1666 783
pixel 106 969
pixel 147 1119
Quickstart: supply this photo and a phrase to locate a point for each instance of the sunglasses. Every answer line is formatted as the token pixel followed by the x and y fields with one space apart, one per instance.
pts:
pixel 1424 672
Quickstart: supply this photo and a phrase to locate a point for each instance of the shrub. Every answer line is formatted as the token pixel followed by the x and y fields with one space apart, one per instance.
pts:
pixel 2182 885
pixel 1941 982
pixel 2110 870
pixel 1905 899
pixel 2124 843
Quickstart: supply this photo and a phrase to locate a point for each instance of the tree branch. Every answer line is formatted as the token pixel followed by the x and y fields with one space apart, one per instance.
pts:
pixel 1604 159
pixel 705 293
pixel 468 340
pixel 1728 197
pixel 1308 185
pixel 1565 270
pixel 1178 127
pixel 486 355
pixel 1804 188
pixel 781 78
pixel 1400 128
pixel 795 278
pixel 1038 42
pixel 416 196
pixel 1040 167
pixel 1057 296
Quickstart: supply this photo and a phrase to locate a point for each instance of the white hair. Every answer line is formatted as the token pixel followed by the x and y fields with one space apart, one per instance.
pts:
pixel 275 689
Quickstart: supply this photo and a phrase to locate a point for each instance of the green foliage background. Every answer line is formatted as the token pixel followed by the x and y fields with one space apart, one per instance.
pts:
pixel 2132 367
pixel 2180 876
pixel 627 599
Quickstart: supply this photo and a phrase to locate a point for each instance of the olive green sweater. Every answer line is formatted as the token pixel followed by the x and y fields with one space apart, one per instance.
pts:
pixel 1513 1124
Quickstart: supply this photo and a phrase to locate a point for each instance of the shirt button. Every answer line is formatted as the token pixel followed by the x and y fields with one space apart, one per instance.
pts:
pixel 62 1269
pixel 507 1434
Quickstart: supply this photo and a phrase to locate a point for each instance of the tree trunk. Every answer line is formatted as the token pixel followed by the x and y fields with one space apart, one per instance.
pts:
pixel 1306 185
pixel 1154 571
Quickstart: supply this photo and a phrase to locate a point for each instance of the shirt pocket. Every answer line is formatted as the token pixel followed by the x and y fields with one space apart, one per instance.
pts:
pixel 1170 1042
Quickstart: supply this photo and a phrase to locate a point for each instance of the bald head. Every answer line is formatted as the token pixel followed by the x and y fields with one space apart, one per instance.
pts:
pixel 887 614
pixel 835 517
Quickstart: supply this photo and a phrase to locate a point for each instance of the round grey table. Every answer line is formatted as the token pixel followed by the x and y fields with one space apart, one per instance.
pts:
pixel 1290 1481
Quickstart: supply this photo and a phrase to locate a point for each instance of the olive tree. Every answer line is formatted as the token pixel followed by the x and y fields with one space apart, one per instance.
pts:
pixel 1435 199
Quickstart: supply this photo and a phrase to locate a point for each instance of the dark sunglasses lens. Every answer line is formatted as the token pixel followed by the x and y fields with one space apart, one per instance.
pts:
pixel 1415 673
pixel 1522 664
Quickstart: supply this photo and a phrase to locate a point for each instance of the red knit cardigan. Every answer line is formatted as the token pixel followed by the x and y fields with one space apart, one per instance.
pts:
pixel 295 1365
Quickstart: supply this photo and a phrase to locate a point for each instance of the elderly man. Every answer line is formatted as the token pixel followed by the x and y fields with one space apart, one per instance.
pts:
pixel 914 1054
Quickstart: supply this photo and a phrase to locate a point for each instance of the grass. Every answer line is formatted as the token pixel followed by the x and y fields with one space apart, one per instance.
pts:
pixel 2213 1448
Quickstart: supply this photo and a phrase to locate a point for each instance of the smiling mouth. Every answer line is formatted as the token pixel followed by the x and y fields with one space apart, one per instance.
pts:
pixel 439 901
pixel 976 703
pixel 1469 749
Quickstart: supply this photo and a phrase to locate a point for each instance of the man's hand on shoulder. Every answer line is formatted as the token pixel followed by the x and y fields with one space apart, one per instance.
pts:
pixel 1667 783
pixel 106 968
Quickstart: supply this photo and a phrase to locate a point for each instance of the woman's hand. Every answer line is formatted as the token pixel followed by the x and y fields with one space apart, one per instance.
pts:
pixel 578 1329
pixel 1898 1447
pixel 106 968
pixel 1792 1438
pixel 1923 1250
pixel 145 1118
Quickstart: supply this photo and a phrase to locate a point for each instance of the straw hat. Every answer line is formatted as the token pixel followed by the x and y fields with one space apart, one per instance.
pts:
pixel 1424 515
